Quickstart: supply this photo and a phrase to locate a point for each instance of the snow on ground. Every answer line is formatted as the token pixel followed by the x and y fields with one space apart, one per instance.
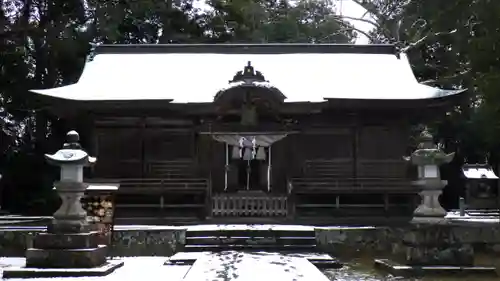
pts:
pixel 238 266
pixel 134 269
pixel 344 227
pixel 147 227
pixel 230 265
pixel 476 218
pixel 275 227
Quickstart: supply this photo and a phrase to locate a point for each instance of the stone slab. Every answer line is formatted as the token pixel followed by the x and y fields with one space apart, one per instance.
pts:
pixel 239 266
pixel 188 258
pixel 318 259
pixel 46 240
pixel 398 269
pixel 24 272
pixel 66 258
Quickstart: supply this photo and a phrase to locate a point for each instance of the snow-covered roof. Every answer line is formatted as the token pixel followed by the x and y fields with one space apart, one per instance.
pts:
pixel 478 171
pixel 305 76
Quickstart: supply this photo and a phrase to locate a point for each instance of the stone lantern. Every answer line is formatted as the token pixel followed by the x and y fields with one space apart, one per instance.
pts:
pixel 69 241
pixel 428 157
pixel 69 244
pixel 70 217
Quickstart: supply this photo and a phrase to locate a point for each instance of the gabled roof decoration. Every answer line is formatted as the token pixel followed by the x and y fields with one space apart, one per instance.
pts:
pixel 248 75
pixel 197 73
pixel 249 82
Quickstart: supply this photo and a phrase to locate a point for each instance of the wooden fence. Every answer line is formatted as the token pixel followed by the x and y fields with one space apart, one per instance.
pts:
pixel 247 204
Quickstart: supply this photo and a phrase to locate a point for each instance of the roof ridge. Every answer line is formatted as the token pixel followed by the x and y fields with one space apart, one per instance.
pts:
pixel 268 48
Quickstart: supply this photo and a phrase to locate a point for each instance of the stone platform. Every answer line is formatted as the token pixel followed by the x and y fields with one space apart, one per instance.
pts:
pixel 147 240
pixel 128 240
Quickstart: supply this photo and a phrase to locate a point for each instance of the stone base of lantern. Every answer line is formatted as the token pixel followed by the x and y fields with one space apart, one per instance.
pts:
pixel 429 220
pixel 430 249
pixel 429 210
pixel 25 272
pixel 66 258
pixel 68 250
pixel 54 241
pixel 65 255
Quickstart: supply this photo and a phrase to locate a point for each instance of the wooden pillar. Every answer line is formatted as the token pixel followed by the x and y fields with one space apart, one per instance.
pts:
pixel 92 141
pixel 386 202
pixel 142 132
pixel 194 150
pixel 83 123
pixel 209 162
pixel 92 138
pixel 355 146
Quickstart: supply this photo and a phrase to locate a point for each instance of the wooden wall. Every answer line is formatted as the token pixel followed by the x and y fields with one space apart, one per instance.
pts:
pixel 119 153
pixel 325 144
pixel 123 152
pixel 380 152
pixel 160 144
pixel 368 150
pixel 380 142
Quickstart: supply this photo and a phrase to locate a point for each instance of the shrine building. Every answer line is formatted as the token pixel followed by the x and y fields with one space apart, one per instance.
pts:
pixel 301 132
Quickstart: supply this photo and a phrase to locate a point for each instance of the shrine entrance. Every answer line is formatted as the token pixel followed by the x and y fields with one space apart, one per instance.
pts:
pixel 248 176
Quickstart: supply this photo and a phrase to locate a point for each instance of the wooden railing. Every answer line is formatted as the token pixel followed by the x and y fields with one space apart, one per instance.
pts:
pixel 308 185
pixel 152 197
pixel 244 204
pixel 328 168
pixel 134 168
pixel 179 168
pixel 391 168
pixel 156 185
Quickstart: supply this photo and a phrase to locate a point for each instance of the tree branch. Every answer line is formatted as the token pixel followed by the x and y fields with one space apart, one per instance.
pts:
pixel 348 26
pixel 369 6
pixel 425 38
pixel 449 77
pixel 373 23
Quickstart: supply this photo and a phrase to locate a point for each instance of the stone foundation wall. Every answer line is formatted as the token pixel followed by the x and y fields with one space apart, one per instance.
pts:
pixel 127 241
pixel 447 240
pixel 397 241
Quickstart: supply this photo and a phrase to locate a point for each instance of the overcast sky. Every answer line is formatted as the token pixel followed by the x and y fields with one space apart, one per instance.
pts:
pixel 351 9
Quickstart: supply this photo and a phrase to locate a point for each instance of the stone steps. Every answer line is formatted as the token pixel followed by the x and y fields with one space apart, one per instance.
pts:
pixel 217 240
pixel 247 247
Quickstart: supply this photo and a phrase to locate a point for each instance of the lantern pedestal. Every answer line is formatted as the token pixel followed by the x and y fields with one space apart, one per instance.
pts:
pixel 70 217
pixel 430 210
pixel 69 242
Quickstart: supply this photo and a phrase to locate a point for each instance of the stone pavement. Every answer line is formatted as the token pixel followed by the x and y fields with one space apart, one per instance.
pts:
pixel 226 266
pixel 239 266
